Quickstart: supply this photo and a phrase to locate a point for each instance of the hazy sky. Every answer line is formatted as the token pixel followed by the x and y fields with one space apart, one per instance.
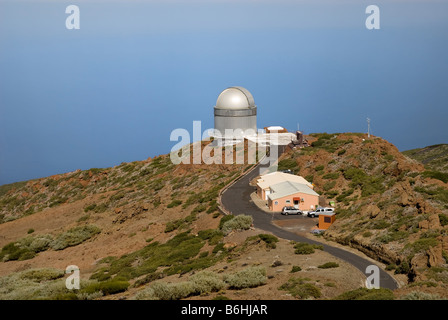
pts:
pixel 114 90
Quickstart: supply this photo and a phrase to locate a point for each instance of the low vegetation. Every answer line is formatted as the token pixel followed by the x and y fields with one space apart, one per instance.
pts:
pixel 367 294
pixel 301 288
pixel 204 282
pixel 306 248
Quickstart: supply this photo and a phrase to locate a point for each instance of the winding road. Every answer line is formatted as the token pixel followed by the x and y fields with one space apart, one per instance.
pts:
pixel 236 199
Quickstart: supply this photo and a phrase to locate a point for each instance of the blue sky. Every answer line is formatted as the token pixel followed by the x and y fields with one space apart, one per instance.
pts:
pixel 114 90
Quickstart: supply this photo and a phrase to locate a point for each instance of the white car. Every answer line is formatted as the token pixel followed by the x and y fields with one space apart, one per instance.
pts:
pixel 319 211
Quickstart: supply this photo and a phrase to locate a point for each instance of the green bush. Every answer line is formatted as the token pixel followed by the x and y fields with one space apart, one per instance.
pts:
pixel 43 274
pixel 344 195
pixel 421 245
pixel 443 218
pixel 442 176
pixel 332 175
pixel 25 248
pixel 269 239
pixel 328 265
pixel 319 168
pixel 418 295
pixel 30 231
pixel 367 294
pixel 329 185
pixel 299 288
pixel 306 248
pixel 249 277
pixel 286 164
pixel 206 282
pixel 107 287
pixel 341 152
pixel 240 222
pixel 224 219
pixel 74 237
pixel 174 203
pixel 403 268
pixel 295 269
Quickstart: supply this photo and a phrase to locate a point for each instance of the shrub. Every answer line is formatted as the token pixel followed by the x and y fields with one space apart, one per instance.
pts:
pixel 403 268
pixel 43 274
pixel 295 269
pixel 319 168
pixel 240 222
pixel 107 287
pixel 269 239
pixel 286 164
pixel 30 231
pixel 90 207
pixel 332 176
pixel 341 152
pixel 167 291
pixel 25 248
pixel 442 176
pixel 421 245
pixel 443 218
pixel 174 203
pixel 206 282
pixel 417 295
pixel 298 288
pixel 328 265
pixel 224 219
pixel 247 278
pixel 74 237
pixel 329 185
pixel 306 248
pixel 173 225
pixel 367 294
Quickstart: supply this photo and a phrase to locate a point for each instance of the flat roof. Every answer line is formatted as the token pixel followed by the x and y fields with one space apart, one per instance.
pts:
pixel 327 214
pixel 288 188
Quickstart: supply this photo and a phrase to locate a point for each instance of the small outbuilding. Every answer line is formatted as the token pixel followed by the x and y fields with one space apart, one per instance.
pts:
pixel 326 220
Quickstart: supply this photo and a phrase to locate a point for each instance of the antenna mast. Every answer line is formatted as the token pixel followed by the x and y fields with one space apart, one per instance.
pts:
pixel 368 127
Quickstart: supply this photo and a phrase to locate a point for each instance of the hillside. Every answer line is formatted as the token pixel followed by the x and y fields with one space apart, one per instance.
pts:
pixel 433 157
pixel 153 230
pixel 387 205
pixel 150 230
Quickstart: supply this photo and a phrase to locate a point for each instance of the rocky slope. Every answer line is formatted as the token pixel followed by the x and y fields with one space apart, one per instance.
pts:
pixel 433 157
pixel 145 229
pixel 387 206
pixel 149 229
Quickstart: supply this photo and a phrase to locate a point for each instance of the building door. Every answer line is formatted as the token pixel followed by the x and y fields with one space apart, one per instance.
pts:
pixel 296 202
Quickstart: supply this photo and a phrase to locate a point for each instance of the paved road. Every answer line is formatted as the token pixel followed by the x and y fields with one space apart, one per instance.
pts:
pixel 236 199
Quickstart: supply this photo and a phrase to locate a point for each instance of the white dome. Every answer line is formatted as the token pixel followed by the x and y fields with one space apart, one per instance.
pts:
pixel 235 98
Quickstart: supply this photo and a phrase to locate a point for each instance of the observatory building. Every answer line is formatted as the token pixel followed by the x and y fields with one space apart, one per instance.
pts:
pixel 235 110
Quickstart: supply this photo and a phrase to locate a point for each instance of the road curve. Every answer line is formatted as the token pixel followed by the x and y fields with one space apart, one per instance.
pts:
pixel 236 199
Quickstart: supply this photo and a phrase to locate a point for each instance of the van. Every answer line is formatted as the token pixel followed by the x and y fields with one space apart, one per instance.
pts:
pixel 319 211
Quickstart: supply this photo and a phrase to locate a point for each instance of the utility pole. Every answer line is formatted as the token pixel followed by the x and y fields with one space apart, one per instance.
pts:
pixel 368 127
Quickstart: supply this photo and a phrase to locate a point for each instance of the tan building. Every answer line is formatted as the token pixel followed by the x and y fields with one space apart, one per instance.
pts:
pixel 294 194
pixel 266 181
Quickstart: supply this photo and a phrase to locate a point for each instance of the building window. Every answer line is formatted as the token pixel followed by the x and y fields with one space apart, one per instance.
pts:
pixel 327 219
pixel 288 201
pixel 276 202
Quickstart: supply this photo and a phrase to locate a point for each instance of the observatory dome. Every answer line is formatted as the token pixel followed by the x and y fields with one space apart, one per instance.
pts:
pixel 235 98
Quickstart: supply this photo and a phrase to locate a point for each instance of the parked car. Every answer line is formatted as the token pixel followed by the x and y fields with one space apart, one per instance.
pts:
pixel 319 211
pixel 291 210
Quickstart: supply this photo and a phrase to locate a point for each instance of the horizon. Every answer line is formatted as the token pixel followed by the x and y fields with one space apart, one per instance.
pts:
pixel 112 91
